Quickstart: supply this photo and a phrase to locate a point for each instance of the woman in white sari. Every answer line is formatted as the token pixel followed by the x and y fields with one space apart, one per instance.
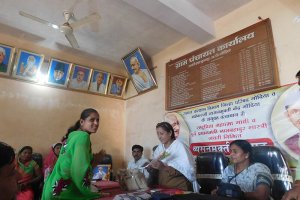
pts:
pixel 174 161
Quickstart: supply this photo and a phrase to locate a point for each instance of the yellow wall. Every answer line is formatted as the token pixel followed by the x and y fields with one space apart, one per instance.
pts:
pixel 39 115
pixel 144 112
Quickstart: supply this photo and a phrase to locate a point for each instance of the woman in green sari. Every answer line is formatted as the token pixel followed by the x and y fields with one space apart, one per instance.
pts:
pixel 70 178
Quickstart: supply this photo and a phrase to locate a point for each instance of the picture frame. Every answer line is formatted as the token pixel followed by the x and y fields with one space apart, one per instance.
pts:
pixel 117 85
pixel 59 72
pixel 6 59
pixel 102 172
pixel 80 77
pixel 28 65
pixel 138 71
pixel 99 82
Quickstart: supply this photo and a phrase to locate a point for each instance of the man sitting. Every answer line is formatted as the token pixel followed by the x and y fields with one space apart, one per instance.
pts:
pixel 139 162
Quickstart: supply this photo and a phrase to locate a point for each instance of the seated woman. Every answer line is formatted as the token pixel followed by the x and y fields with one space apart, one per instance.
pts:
pixel 174 161
pixel 51 159
pixel 254 179
pixel 28 172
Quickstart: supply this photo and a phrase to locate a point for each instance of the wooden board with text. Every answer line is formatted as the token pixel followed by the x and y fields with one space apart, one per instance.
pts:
pixel 239 64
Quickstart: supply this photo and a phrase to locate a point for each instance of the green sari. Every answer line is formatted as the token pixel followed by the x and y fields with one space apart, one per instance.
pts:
pixel 70 178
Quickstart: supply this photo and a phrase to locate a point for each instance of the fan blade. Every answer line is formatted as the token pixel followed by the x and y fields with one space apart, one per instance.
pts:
pixel 72 40
pixel 85 20
pixel 38 20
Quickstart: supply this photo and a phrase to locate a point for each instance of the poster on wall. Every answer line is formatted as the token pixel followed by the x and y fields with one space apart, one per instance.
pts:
pixel 138 71
pixel 59 72
pixel 181 129
pixel 117 85
pixel 285 121
pixel 99 82
pixel 267 118
pixel 6 58
pixel 28 65
pixel 80 77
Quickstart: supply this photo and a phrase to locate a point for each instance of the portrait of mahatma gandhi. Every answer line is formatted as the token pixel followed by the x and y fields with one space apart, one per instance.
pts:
pixel 138 70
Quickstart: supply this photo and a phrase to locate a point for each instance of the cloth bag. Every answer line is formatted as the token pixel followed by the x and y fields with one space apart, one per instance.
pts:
pixel 132 179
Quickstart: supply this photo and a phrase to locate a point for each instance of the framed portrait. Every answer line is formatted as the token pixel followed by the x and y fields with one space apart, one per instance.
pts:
pixel 59 72
pixel 117 85
pixel 99 82
pixel 80 77
pixel 138 71
pixel 181 128
pixel 102 172
pixel 6 58
pixel 28 65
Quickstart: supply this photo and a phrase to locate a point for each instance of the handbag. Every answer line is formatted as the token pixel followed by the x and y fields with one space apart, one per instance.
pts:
pixel 132 179
pixel 230 190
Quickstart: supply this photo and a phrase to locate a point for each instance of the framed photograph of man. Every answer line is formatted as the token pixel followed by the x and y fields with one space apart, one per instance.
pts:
pixel 59 72
pixel 138 70
pixel 6 59
pixel 27 65
pixel 80 77
pixel 101 172
pixel 99 82
pixel 117 85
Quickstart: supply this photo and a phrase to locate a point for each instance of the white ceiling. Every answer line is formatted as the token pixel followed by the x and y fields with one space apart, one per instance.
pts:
pixel 125 25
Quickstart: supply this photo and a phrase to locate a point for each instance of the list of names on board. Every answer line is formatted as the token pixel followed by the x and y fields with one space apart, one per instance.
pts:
pixel 236 65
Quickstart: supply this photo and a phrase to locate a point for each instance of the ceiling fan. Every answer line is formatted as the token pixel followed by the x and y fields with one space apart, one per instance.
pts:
pixel 67 27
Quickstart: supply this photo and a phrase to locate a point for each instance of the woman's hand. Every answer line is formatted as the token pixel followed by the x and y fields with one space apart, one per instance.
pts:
pixel 157 164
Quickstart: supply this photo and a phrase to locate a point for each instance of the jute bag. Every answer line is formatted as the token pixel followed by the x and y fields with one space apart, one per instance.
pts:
pixel 132 179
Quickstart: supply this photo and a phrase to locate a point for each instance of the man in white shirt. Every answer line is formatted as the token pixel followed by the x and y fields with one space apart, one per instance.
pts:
pixel 98 85
pixel 79 82
pixel 138 162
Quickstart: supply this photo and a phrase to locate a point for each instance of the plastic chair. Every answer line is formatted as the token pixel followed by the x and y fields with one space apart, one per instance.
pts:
pixel 272 157
pixel 210 166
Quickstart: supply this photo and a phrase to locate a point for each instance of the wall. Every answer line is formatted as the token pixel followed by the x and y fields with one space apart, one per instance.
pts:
pixel 145 111
pixel 39 115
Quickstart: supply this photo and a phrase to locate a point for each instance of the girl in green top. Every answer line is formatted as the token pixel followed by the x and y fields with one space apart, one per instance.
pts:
pixel 70 178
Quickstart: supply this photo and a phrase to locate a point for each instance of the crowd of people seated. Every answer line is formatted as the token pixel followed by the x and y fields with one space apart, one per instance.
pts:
pixel 69 177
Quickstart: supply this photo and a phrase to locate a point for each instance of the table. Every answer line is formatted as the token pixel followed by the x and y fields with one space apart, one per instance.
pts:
pixel 113 188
